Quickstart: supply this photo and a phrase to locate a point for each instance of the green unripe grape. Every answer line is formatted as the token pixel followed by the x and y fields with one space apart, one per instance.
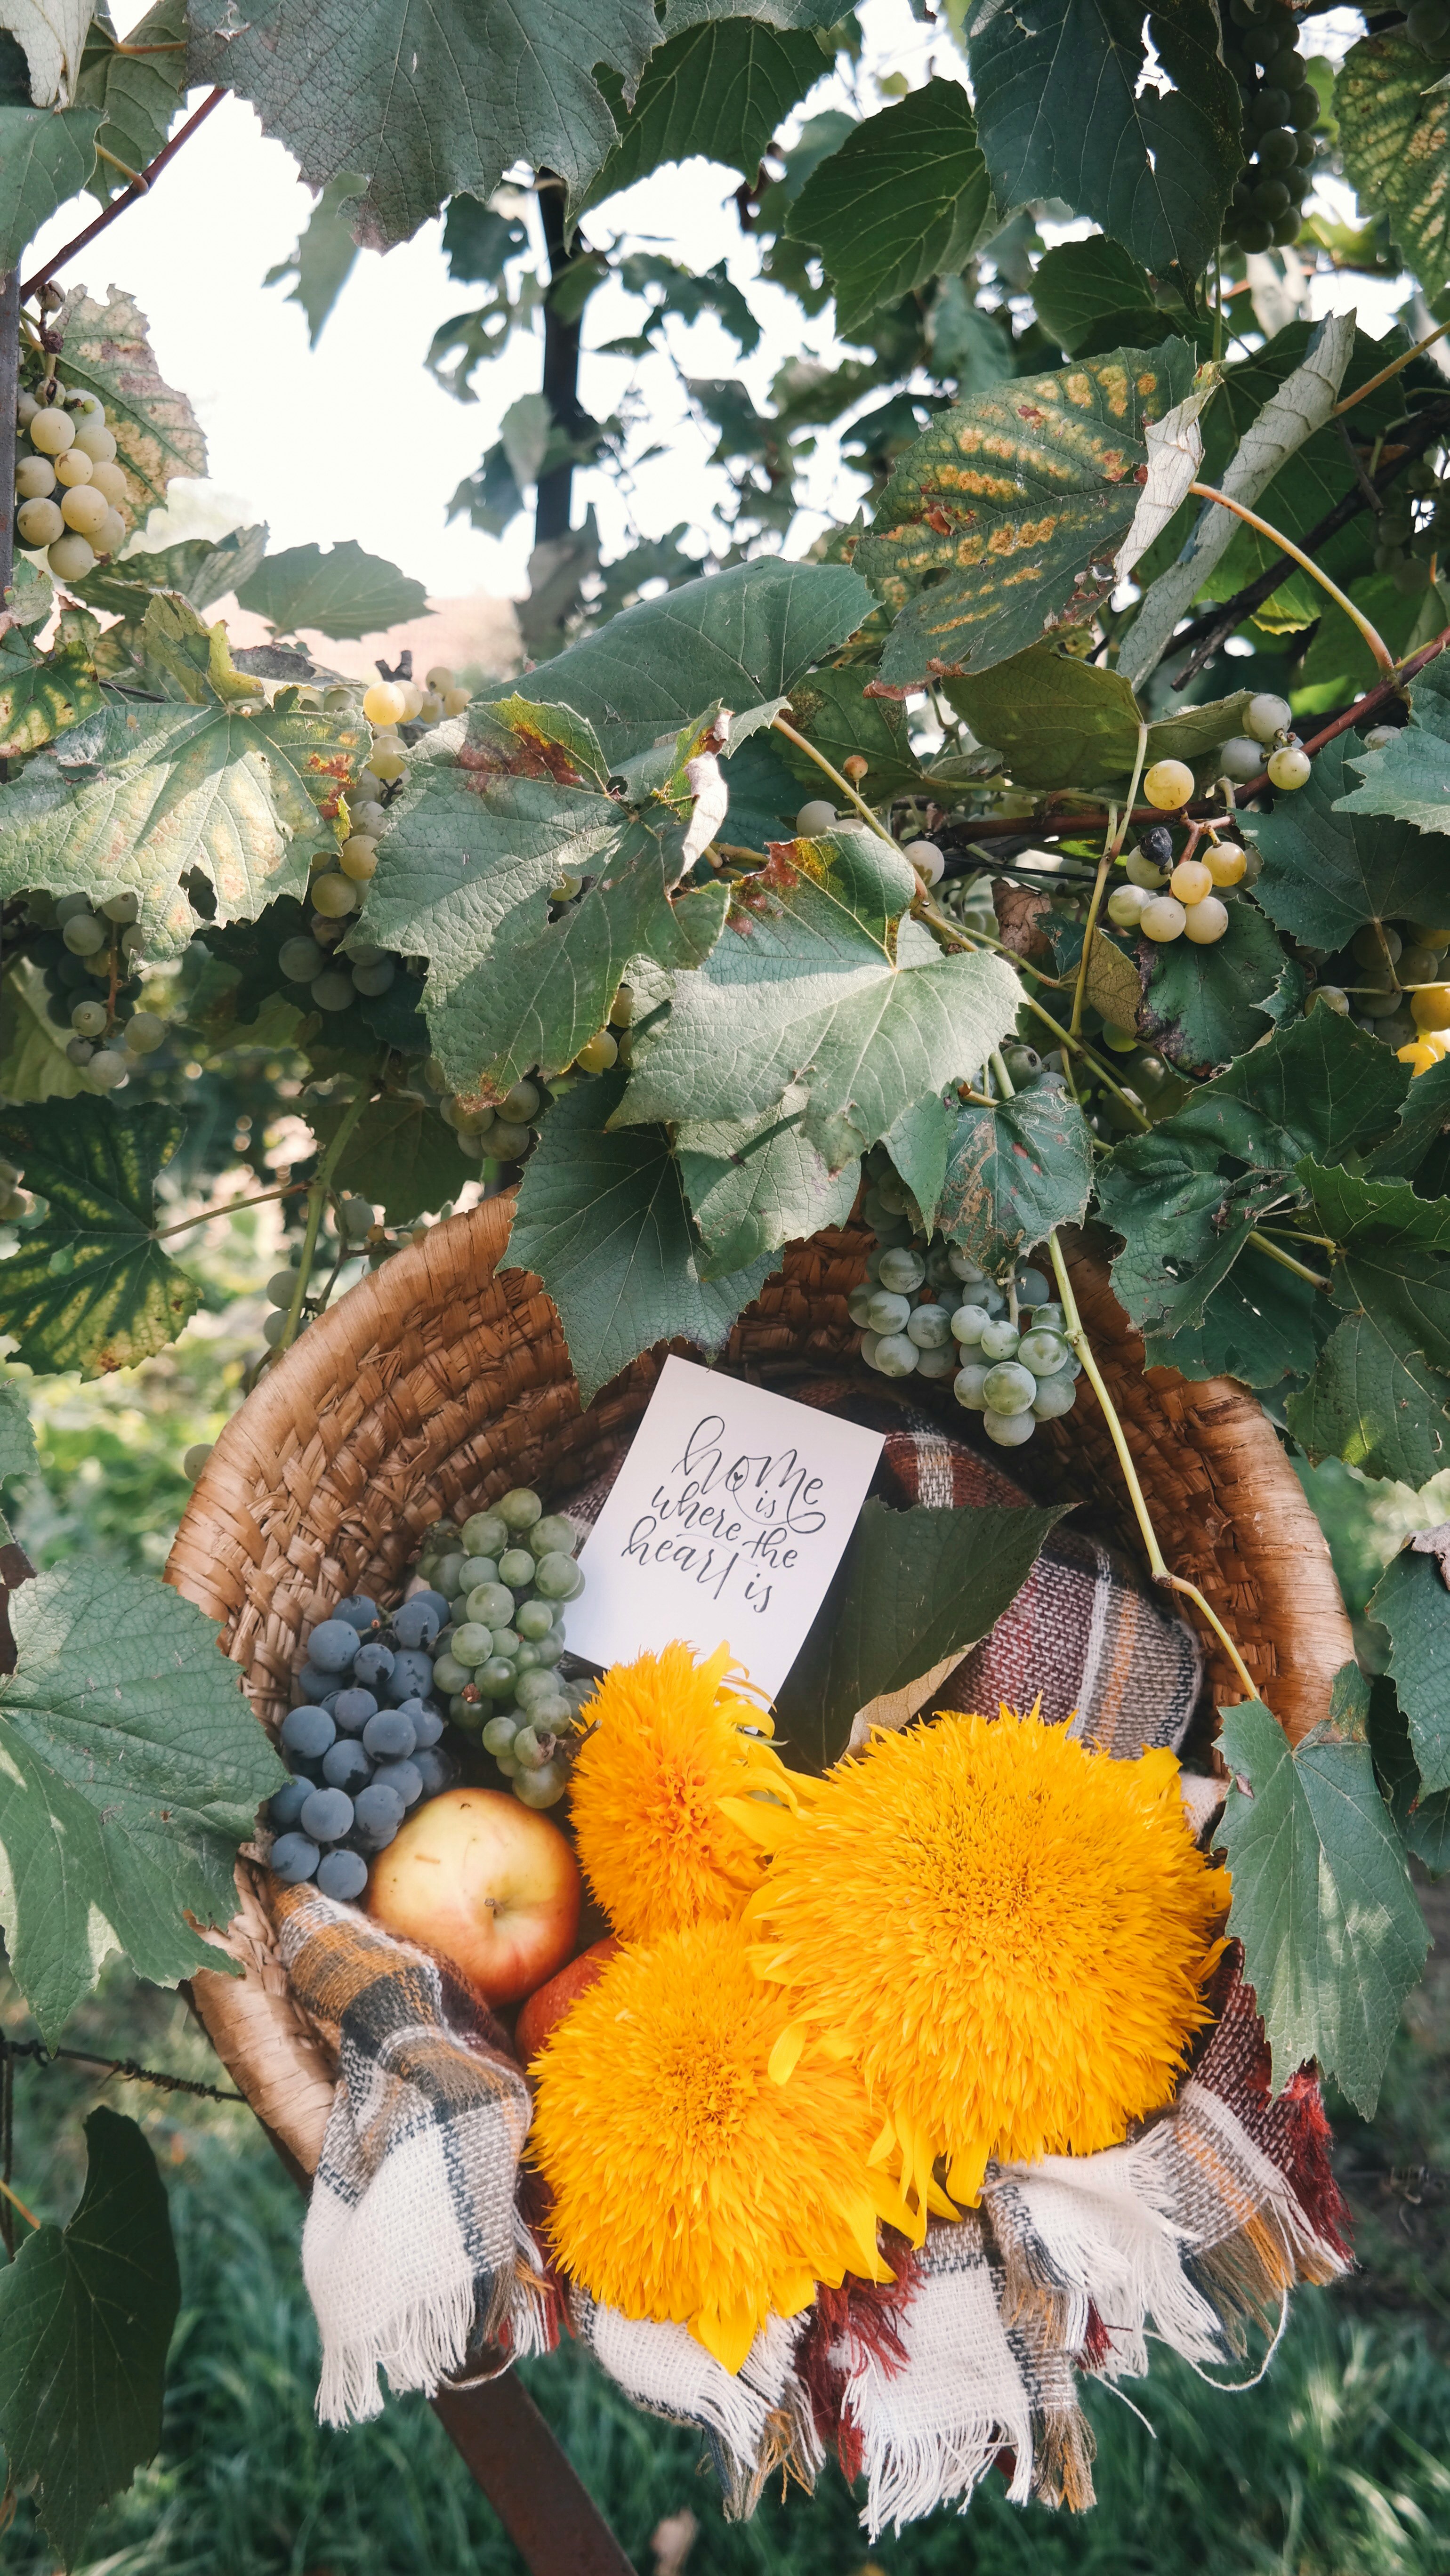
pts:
pixel 969 1323
pixel 1266 716
pixel 88 1019
pixel 1239 758
pixel 1043 1352
pixel 446 1573
pixel 1168 784
pixel 301 960
pixel 520 1105
pixel 1033 1288
pixel 537 1688
pixel 528 1751
pixel 448 1674
pixel 526 1660
pixel 962 1268
pixel 1009 1430
pixel 506 1642
pixel 496 1677
pixel 280 1288
pixel 508 1142
pixel 814 818
pixel 1009 1388
pixel 1055 1395
pixel 516 1568
pixel 929 1327
pixel 145 1032
pixel 558 1577
pixel 858 1306
pixel 485 1534
pixel 888 1313
pixel 967 1386
pixel 498 1735
pixel 475 1570
pixel 1049 1318
pixel 1125 905
pixel 545 1650
pixel 1271 197
pixel 519 1508
pixel 472 1643
pixel 938 1363
pixel 495 1604
pixel 902 1270
pixel 84 936
pixel 1143 874
pixel 1278 151
pixel 196 1458
pixel 1289 768
pixel 999 1339
pixel 553 1532
pixel 896 1356
pixel 541 1788
pixel 467 1714
pixel 551 1711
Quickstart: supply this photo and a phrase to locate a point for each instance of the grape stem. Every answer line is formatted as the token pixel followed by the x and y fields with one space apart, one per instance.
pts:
pixel 1306 563
pixel 1392 369
pixel 128 197
pixel 1112 844
pixel 317 1197
pixel 17 2203
pixel 842 784
pixel 204 1216
pixel 1286 1260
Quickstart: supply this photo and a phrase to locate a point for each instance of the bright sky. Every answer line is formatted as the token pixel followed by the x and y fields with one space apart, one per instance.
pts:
pixel 355 439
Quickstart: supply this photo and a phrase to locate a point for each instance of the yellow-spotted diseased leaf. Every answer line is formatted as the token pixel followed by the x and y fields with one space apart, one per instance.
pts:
pixel 42 693
pixel 107 353
pixel 1000 524
pixel 1394 132
pixel 90 1287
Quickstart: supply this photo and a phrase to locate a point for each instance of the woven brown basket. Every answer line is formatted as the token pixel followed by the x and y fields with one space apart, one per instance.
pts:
pixel 442 1380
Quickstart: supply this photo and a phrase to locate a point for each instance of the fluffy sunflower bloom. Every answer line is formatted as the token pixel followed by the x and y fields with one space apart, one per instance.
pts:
pixel 667 1746
pixel 1007 1934
pixel 686 2186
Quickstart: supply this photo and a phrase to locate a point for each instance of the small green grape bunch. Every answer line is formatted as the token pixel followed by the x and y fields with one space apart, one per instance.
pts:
pixel 932 1312
pixel 509 1574
pixel 89 961
pixel 332 980
pixel 1165 901
pixel 503 1133
pixel 602 1052
pixel 71 495
pixel 1280 112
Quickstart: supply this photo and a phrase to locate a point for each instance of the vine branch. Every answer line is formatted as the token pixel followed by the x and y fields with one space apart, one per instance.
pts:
pixel 1306 563
pixel 139 187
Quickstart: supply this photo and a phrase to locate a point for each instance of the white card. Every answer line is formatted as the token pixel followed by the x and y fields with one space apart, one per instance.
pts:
pixel 724 1526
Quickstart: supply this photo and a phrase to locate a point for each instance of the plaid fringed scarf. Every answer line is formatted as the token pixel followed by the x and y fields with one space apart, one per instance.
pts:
pixel 414 2251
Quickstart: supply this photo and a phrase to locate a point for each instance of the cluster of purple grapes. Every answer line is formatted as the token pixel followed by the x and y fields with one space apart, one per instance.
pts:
pixel 363 1743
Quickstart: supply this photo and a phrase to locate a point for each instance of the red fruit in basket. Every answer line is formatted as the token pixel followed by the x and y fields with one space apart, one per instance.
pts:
pixel 489 1883
pixel 560 1995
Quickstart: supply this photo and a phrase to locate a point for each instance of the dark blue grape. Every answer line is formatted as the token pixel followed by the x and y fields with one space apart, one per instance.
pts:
pixel 402 1776
pixel 379 1810
pixel 346 1766
pixel 327 1815
pixel 359 1612
pixel 343 1874
pixel 352 1709
pixel 390 1735
pixel 333 1646
pixel 284 1809
pixel 308 1731
pixel 373 1664
pixel 410 1678
pixel 433 1769
pixel 294 1858
pixel 313 1684
pixel 1157 844
pixel 418 1621
pixel 427 1724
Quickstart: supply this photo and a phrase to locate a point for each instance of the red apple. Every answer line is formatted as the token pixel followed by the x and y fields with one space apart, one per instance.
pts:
pixel 490 1884
pixel 552 2001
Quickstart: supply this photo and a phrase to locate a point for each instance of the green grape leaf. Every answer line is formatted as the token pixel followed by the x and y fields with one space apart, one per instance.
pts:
pixel 1411 1600
pixel 1007 500
pixel 46 156
pixel 43 693
pixel 1080 284
pixel 1014 1172
pixel 1261 1324
pixel 1202 1006
pixel 1329 868
pixel 821 980
pixel 342 592
pixel 1415 1149
pixel 1184 1196
pixel 905 199
pixel 1409 779
pixel 33 1060
pixel 137 92
pixel 603 1221
pixel 90 1287
pixel 400 1154
pixel 86 2315
pixel 1423 1824
pixel 754 1186
pixel 912 1588
pixel 17 1438
pixel 1064 110
pixel 732 640
pixel 322 262
pixel 832 710
pixel 464 878
pixel 1333 1937
pixel 478 239
pixel 1062 722
pixel 200 570
pixel 716 90
pixel 107 353
pixel 1379 1394
pixel 1394 132
pixel 137 797
pixel 132 1769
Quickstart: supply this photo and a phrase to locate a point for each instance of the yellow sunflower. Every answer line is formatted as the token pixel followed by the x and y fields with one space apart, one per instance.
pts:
pixel 667 1746
pixel 686 2186
pixel 1007 1934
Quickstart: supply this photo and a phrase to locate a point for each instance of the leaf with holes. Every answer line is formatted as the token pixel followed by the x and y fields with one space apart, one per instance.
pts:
pixel 90 1287
pixel 1002 520
pixel 905 199
pixel 1332 861
pixel 1394 132
pixel 1409 779
pixel 1014 1172
pixel 1412 1602
pixel 821 979
pixel 602 1218
pixel 912 1588
pixel 1185 1196
pixel 43 693
pixel 1333 1937
pixel 107 353
pixel 1379 1394
pixel 1064 110
pixel 755 1186
pixel 137 797
pixel 131 1768
pixel 86 2314
pixel 716 90
pixel 465 875
pixel 1202 1006
pixel 343 592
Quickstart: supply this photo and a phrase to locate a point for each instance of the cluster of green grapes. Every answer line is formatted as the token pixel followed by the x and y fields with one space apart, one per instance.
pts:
pixel 1281 109
pixel 69 489
pixel 926 1310
pixel 1388 980
pixel 91 956
pixel 508 1575
pixel 1405 544
pixel 1165 899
